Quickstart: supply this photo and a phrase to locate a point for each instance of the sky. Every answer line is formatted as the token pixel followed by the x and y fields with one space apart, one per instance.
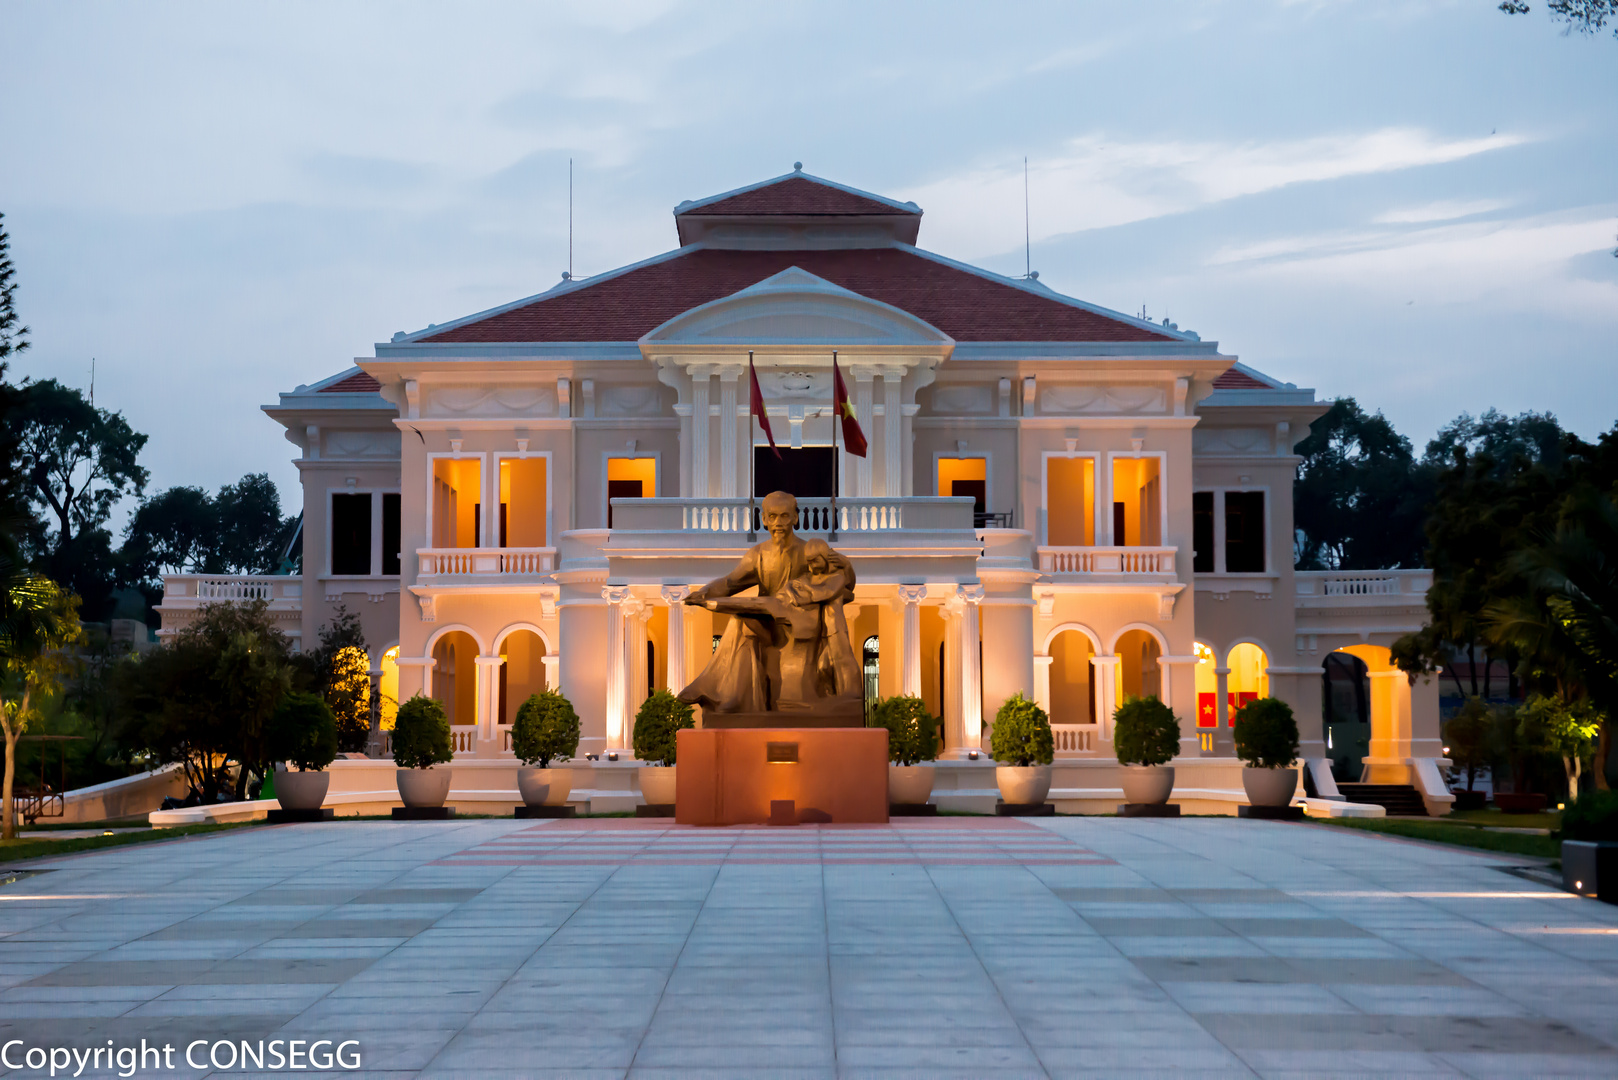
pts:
pixel 1412 203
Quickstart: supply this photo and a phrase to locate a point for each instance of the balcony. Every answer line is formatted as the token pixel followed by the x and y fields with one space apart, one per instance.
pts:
pixel 1343 584
pixel 1126 561
pixel 1361 602
pixel 450 566
pixel 864 515
pixel 184 594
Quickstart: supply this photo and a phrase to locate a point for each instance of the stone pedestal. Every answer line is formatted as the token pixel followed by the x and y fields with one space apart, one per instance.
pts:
pixel 730 776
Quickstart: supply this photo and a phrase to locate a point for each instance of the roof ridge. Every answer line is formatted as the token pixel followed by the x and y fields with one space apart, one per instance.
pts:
pixel 797 173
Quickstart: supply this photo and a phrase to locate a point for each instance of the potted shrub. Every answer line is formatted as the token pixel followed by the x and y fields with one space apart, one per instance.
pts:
pixel 1021 743
pixel 660 716
pixel 1472 745
pixel 1266 735
pixel 912 748
pixel 421 740
pixel 546 729
pixel 1590 846
pixel 1146 737
pixel 303 733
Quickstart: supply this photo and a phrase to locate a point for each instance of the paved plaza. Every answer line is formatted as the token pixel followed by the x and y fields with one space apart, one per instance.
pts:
pixel 967 947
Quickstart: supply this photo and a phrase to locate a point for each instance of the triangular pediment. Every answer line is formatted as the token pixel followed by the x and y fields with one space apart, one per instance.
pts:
pixel 795 307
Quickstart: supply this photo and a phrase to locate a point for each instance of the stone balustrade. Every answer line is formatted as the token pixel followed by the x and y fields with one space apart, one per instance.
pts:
pixel 1158 561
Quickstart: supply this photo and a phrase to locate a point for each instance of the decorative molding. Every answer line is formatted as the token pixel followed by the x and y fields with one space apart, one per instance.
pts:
pixel 1102 399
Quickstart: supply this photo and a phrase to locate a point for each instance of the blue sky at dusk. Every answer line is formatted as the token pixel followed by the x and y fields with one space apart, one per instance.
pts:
pixel 1413 203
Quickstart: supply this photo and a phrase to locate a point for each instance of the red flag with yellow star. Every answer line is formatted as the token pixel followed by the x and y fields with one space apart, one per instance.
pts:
pixel 853 437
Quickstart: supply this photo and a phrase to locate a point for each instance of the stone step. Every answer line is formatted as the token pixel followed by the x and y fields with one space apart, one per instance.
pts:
pixel 1401 799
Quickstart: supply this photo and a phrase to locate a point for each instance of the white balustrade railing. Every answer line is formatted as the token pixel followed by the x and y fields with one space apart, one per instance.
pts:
pixel 814 516
pixel 233 588
pixel 1075 738
pixel 464 740
pixel 1107 560
pixel 854 515
pixel 511 562
pixel 1340 583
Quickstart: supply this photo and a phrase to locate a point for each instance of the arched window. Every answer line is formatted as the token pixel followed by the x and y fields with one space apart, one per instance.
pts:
pixel 872 658
pixel 454 677
pixel 1138 671
pixel 388 707
pixel 1207 687
pixel 1249 676
pixel 1072 701
pixel 523 673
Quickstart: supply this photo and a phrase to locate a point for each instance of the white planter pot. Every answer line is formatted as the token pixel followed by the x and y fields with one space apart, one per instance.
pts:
pixel 423 787
pixel 910 785
pixel 1023 784
pixel 301 790
pixel 1147 783
pixel 544 787
pixel 1269 787
pixel 657 784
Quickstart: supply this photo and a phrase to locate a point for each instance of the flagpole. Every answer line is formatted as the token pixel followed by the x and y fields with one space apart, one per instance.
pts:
pixel 752 533
pixel 836 459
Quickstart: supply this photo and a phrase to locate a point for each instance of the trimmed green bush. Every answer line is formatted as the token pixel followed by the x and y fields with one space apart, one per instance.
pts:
pixel 1266 734
pixel 912 730
pixel 660 716
pixel 302 732
pixel 1145 732
pixel 1593 816
pixel 1022 734
pixel 421 734
pixel 546 730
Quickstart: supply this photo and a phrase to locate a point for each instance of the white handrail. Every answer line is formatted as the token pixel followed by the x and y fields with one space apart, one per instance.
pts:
pixel 1107 560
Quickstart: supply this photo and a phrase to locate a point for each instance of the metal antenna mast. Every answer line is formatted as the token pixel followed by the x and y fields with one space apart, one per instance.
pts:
pixel 1027 234
pixel 570 219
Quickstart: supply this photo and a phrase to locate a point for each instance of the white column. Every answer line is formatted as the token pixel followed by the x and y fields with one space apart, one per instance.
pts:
pixel 893 451
pixel 674 596
pixel 1106 671
pixel 727 432
pixel 1172 668
pixel 701 425
pixel 422 683
pixel 863 377
pixel 617 677
pixel 954 612
pixel 488 702
pixel 911 597
pixel 637 612
pixel 1222 696
pixel 553 671
pixel 1042 683
pixel 971 671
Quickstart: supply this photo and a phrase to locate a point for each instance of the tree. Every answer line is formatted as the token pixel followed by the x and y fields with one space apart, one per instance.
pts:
pixel 185 530
pixel 203 697
pixel 1585 16
pixel 1562 615
pixel 13 340
pixel 1496 480
pixel 340 670
pixel 80 460
pixel 38 622
pixel 1561 730
pixel 1360 497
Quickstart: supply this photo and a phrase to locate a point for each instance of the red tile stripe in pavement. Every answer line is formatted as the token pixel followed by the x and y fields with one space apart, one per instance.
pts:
pixel 987 842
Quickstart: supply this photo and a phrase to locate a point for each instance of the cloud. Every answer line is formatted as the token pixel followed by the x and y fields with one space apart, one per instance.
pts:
pixel 1524 264
pixel 1095 182
pixel 1446 210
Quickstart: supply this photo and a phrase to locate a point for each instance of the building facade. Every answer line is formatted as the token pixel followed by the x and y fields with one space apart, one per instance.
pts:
pixel 1058 499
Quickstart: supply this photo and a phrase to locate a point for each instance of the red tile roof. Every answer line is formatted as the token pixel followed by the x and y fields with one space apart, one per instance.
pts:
pixel 796 196
pixel 1240 380
pixel 964 305
pixel 357 383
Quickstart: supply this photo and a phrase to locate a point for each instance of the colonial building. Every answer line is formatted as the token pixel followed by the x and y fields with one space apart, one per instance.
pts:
pixel 1058 499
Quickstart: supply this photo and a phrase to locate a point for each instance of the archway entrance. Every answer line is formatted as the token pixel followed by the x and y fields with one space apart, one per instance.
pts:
pixel 1346 714
pixel 454 677
pixel 523 673
pixel 1071 691
pixel 1138 672
pixel 1249 675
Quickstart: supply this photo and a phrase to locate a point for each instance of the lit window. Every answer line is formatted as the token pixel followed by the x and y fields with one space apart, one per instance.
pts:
pixel 630 478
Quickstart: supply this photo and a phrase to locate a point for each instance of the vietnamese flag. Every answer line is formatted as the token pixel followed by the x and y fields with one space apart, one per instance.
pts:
pixel 853 437
pixel 756 403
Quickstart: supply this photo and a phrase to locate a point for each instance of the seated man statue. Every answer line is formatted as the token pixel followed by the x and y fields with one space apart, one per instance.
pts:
pixel 786 649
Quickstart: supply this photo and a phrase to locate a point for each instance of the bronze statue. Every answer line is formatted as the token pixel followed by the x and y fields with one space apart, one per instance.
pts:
pixel 787 649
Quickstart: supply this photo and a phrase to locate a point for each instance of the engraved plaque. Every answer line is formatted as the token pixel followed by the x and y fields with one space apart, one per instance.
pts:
pixel 781 752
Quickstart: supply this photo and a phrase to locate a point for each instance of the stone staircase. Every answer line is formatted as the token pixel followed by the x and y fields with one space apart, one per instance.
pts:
pixel 1397 799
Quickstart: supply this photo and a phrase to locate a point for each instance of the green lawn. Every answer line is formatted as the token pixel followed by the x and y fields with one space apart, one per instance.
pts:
pixel 35 847
pixel 1551 819
pixel 1443 831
